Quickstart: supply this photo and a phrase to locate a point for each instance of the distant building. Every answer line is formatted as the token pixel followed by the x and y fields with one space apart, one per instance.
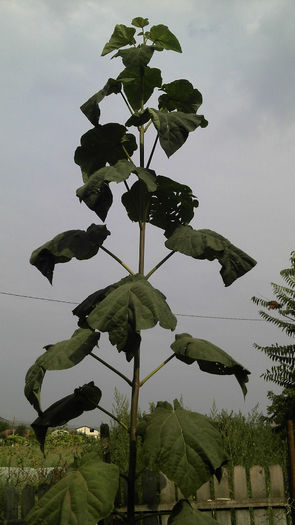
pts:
pixel 88 431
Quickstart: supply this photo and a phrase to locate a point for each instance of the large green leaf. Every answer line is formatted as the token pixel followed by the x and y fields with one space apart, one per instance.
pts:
pixel 132 306
pixel 139 84
pixel 170 205
pixel 209 357
pixel 90 108
pixel 62 248
pixel 162 37
pixel 102 145
pixel 122 36
pixel 180 95
pixel 184 514
pixel 184 445
pixel 136 56
pixel 83 399
pixel 140 22
pixel 96 193
pixel 174 127
pixel 59 356
pixel 85 495
pixel 207 244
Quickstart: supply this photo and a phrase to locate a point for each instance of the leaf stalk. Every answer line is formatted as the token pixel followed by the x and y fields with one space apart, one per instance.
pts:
pixel 111 368
pixel 159 264
pixel 117 259
pixel 156 370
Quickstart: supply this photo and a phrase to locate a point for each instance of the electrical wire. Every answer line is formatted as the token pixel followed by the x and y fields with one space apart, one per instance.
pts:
pixel 178 314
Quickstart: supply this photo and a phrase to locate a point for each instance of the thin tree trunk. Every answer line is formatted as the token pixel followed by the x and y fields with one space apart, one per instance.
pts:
pixel 291 454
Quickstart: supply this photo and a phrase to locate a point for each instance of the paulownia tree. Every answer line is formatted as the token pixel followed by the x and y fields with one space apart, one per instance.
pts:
pixel 182 444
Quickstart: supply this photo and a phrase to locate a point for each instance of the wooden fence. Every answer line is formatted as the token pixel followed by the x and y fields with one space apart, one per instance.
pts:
pixel 242 497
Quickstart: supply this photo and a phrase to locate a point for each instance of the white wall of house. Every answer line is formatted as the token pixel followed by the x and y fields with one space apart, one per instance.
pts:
pixel 88 431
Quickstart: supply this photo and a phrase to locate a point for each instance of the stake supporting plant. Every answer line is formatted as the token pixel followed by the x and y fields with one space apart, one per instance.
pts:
pixel 107 156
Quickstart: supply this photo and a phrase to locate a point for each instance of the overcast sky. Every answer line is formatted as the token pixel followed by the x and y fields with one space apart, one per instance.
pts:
pixel 241 56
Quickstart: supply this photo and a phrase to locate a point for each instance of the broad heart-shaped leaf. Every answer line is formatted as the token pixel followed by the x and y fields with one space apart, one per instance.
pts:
pixel 135 80
pixel 59 356
pixel 209 357
pixel 136 56
pixel 62 248
pixel 102 145
pixel 184 445
pixel 132 306
pixel 184 514
pixel 96 193
pixel 162 36
pixel 90 108
pixel 148 177
pixel 140 22
pixel 86 494
pixel 122 36
pixel 174 127
pixel 83 399
pixel 170 205
pixel 207 244
pixel 180 95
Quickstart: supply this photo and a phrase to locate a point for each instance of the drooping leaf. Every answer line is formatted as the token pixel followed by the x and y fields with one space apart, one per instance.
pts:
pixel 180 95
pixel 96 192
pixel 135 57
pixel 86 494
pixel 170 205
pixel 184 514
pixel 148 177
pixel 184 445
pixel 132 306
pixel 137 202
pixel 33 382
pixel 102 145
pixel 90 108
pixel 140 22
pixel 83 399
pixel 209 357
pixel 62 248
pixel 162 36
pixel 122 36
pixel 138 118
pixel 139 84
pixel 59 356
pixel 174 127
pixel 207 244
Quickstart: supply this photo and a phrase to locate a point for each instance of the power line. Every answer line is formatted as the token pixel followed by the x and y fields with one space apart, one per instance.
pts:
pixel 178 314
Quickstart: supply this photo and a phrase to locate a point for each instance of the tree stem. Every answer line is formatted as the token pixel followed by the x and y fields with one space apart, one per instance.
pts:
pixel 132 442
pixel 111 368
pixel 156 370
pixel 159 264
pixel 117 259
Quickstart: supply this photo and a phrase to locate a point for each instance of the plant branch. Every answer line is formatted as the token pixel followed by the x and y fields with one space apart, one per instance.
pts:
pixel 112 416
pixel 159 264
pixel 126 102
pixel 156 370
pixel 132 442
pixel 152 152
pixel 111 368
pixel 117 259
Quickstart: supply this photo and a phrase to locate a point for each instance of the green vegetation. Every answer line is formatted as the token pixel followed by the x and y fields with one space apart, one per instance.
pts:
pixel 183 444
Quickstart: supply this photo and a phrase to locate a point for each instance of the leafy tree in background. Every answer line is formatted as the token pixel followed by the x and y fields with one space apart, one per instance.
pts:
pixel 283 373
pixel 172 436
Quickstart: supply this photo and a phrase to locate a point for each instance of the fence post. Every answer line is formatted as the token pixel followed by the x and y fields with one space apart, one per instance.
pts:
pixel 257 480
pixel 240 494
pixel 221 490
